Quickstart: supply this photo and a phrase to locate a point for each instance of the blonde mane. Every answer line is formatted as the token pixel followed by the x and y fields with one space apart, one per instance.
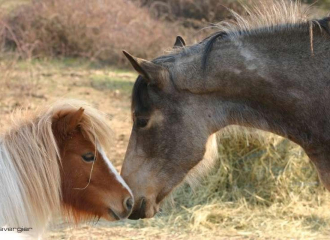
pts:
pixel 30 163
pixel 261 16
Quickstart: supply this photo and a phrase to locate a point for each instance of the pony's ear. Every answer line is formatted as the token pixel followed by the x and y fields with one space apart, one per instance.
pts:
pixel 67 122
pixel 73 119
pixel 151 72
pixel 179 42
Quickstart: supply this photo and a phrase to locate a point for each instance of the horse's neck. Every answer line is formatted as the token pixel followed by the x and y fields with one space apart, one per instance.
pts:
pixel 248 65
pixel 272 81
pixel 278 84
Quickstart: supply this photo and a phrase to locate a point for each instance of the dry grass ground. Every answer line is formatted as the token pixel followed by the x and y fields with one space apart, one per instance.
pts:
pixel 262 187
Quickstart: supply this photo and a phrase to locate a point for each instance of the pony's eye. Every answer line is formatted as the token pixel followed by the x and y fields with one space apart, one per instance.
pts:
pixel 141 122
pixel 89 157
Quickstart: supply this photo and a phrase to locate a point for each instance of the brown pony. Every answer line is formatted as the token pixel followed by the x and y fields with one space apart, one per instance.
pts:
pixel 269 71
pixel 52 161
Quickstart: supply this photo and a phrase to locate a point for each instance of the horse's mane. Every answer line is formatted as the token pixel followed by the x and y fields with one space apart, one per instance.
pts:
pixel 266 16
pixel 263 16
pixel 30 163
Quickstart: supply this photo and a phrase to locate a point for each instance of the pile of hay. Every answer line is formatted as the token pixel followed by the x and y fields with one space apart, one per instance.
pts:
pixel 262 185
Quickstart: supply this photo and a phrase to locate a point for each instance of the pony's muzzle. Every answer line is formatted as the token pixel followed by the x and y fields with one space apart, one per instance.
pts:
pixel 125 210
pixel 128 203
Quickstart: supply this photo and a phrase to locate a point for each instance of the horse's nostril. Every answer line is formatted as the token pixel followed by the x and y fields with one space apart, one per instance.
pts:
pixel 128 203
pixel 140 211
pixel 143 205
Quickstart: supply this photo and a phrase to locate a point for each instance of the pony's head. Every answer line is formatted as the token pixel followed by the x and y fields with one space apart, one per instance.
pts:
pixel 90 185
pixel 54 160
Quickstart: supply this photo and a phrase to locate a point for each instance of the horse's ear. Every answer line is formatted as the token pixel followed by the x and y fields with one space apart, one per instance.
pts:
pixel 66 123
pixel 74 119
pixel 179 42
pixel 151 72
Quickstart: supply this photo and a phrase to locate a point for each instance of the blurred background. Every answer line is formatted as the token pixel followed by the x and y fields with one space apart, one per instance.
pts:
pixel 98 30
pixel 262 186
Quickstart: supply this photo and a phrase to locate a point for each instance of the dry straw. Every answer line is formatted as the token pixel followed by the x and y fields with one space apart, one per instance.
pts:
pixel 262 185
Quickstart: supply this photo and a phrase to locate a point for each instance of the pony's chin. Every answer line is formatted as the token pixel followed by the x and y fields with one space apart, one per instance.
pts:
pixel 111 216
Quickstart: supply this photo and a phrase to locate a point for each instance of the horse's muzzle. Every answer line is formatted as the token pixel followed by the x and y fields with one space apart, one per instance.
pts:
pixel 140 212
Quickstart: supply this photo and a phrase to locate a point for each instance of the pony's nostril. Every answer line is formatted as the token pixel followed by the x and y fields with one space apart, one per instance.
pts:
pixel 128 203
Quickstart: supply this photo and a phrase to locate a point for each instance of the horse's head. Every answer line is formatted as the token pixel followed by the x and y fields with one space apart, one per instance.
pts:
pixel 91 187
pixel 168 138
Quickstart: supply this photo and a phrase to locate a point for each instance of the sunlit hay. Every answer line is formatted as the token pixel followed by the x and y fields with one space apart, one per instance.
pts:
pixel 208 161
pixel 202 168
pixel 261 185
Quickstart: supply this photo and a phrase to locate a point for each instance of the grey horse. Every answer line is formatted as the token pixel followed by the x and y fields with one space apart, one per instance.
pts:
pixel 270 71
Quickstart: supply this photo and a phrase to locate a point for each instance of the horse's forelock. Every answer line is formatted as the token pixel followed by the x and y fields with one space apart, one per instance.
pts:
pixel 140 99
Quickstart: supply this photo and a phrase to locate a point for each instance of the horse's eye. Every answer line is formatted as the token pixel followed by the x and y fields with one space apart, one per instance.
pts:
pixel 89 157
pixel 141 122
